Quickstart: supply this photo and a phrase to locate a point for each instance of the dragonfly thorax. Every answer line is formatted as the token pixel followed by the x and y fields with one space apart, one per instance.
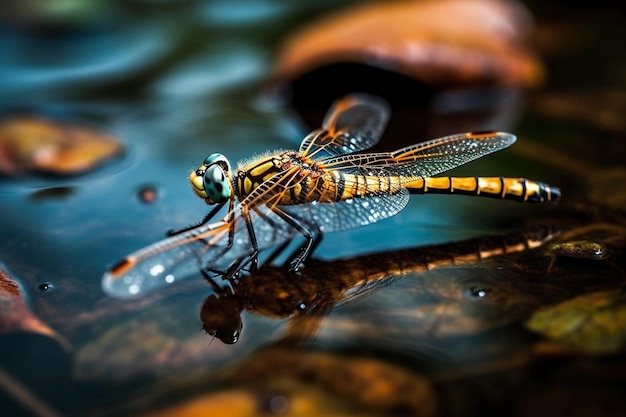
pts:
pixel 262 169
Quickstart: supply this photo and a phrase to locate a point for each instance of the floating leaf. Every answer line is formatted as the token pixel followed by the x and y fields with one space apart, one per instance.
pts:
pixel 592 323
pixel 440 42
pixel 33 144
pixel 15 316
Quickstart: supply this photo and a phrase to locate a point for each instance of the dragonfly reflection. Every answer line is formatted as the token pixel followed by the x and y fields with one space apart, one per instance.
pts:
pixel 272 291
pixel 322 187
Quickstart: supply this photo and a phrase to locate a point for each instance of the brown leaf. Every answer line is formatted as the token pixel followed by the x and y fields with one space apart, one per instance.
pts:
pixel 15 316
pixel 231 403
pixel 440 42
pixel 301 401
pixel 287 382
pixel 34 144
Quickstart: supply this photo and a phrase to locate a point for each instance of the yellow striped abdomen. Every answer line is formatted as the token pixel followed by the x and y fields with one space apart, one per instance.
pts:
pixel 337 186
pixel 518 189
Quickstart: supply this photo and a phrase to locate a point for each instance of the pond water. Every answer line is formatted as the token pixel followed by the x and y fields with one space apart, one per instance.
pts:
pixel 175 81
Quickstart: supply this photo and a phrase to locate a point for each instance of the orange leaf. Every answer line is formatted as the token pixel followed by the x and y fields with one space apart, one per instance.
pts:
pixel 30 143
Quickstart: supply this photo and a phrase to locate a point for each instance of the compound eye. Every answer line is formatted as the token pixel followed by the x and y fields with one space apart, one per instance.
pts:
pixel 217 158
pixel 216 185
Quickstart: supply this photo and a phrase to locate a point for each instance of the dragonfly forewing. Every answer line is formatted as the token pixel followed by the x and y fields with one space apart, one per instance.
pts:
pixel 424 159
pixel 162 263
pixel 350 213
pixel 206 247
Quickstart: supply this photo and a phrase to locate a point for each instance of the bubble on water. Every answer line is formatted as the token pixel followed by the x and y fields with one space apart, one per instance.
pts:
pixel 478 292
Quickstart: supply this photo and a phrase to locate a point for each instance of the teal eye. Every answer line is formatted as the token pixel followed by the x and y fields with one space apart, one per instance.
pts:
pixel 216 185
pixel 216 158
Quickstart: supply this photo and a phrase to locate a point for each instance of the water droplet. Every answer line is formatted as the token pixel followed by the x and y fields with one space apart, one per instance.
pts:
pixel 46 286
pixel 148 194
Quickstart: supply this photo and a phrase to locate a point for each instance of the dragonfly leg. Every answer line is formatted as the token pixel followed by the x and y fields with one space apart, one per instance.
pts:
pixel 218 289
pixel 205 220
pixel 253 259
pixel 312 240
pixel 233 270
pixel 242 262
pixel 293 257
pixel 230 274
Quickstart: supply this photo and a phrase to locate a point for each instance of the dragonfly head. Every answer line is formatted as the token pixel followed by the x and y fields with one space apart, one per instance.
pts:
pixel 211 180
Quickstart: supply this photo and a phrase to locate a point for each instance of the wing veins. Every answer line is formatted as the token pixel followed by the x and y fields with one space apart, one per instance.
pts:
pixel 424 159
pixel 354 123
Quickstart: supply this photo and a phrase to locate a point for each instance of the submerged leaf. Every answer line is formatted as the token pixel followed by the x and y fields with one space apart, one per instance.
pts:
pixel 592 323
pixel 301 400
pixel 369 384
pixel 33 144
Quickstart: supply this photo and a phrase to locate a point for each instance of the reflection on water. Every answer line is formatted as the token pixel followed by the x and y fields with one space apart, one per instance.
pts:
pixel 307 296
pixel 174 81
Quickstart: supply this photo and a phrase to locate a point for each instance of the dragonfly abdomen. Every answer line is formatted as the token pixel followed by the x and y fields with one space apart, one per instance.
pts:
pixel 517 189
pixel 339 186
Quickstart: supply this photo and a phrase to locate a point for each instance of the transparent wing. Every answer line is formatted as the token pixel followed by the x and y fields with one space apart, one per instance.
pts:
pixel 352 124
pixel 424 159
pixel 350 213
pixel 207 246
pixel 183 256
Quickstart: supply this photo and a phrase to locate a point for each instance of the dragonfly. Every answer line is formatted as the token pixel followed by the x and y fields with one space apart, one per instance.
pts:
pixel 327 185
